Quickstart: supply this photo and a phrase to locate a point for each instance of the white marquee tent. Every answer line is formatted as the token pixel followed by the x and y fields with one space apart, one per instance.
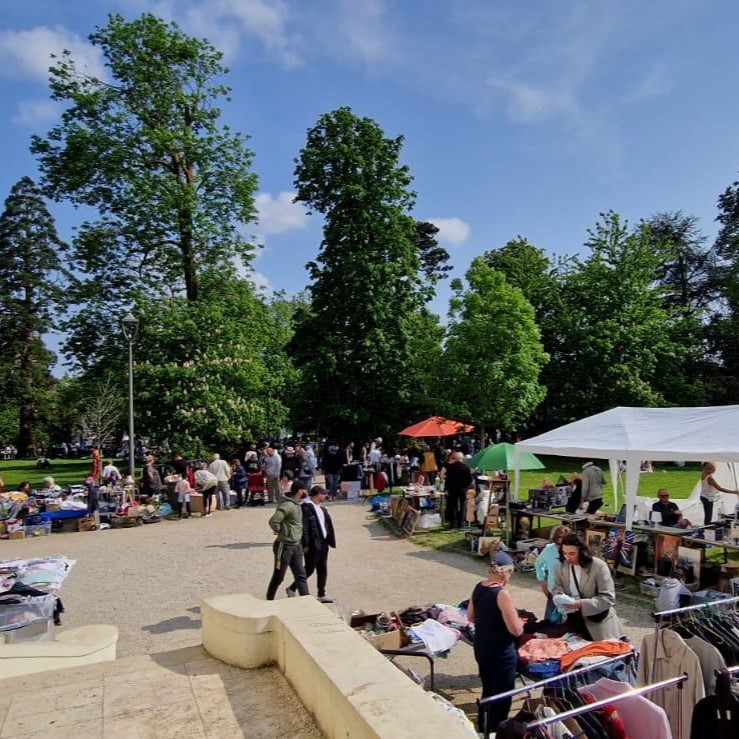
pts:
pixel 656 434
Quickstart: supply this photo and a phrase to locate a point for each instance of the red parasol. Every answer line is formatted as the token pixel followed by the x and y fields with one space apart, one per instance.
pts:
pixel 436 426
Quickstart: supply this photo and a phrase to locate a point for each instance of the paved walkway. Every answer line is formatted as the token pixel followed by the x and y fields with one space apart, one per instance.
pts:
pixel 149 581
pixel 182 693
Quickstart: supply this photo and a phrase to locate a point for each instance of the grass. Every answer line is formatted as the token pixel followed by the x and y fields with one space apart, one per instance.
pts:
pixel 680 481
pixel 64 471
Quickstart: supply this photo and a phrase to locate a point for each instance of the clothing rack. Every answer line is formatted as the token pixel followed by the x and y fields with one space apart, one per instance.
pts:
pixel 557 678
pixel 723 602
pixel 633 692
pixel 661 615
pixel 547 681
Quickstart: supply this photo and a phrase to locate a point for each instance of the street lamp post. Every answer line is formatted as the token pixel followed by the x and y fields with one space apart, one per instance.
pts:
pixel 130 326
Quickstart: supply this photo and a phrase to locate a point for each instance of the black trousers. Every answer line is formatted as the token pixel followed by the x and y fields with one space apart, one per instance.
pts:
pixel 707 511
pixel 316 560
pixel 595 505
pixel 287 556
pixel 454 508
pixel 498 675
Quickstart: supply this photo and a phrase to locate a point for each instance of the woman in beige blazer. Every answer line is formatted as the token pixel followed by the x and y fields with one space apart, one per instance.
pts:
pixel 588 581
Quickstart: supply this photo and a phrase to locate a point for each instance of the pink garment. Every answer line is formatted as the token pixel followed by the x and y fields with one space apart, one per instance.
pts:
pixel 641 718
pixel 537 650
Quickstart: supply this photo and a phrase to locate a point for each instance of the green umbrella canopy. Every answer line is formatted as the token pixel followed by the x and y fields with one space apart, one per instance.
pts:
pixel 500 457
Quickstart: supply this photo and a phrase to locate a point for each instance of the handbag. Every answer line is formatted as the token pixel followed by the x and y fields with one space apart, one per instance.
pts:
pixel 597 617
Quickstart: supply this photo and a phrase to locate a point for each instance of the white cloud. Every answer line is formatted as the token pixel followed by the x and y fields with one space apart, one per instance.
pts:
pixel 27 54
pixel 452 231
pixel 364 30
pixel 279 214
pixel 261 282
pixel 225 22
pixel 35 113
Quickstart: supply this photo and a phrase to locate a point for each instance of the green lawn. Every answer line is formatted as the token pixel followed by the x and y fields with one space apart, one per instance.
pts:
pixel 680 481
pixel 64 471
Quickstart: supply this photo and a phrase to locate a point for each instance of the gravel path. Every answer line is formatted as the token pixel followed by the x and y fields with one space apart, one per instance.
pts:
pixel 149 581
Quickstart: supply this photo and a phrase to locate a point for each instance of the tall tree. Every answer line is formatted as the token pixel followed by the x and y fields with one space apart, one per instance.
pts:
pixel 493 356
pixel 614 332
pixel 353 345
pixel 528 268
pixel 687 271
pixel 171 186
pixel 687 277
pixel 724 327
pixel 210 373
pixel 30 300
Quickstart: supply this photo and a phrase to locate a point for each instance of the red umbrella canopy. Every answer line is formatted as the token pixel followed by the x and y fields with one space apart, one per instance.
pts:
pixel 436 426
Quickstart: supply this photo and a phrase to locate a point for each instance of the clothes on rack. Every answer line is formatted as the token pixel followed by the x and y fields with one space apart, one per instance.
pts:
pixel 712 634
pixel 605 648
pixel 641 718
pixel 717 716
pixel 672 658
pixel 710 659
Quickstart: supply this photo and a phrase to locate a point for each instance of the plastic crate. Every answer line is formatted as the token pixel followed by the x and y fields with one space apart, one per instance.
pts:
pixel 16 615
pixel 651 590
pixel 37 631
pixel 39 529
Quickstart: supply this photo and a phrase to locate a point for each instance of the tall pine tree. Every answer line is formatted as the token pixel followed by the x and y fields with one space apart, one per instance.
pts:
pixel 30 301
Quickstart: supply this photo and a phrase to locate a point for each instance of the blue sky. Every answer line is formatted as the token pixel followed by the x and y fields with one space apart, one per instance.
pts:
pixel 520 117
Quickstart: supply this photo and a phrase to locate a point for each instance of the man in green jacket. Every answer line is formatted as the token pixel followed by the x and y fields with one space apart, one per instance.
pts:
pixel 287 524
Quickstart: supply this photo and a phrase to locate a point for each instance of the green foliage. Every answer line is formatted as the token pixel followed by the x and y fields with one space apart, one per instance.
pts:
pixel 723 328
pixel 493 356
pixel 612 330
pixel 32 295
pixel 144 149
pixel 354 344
pixel 526 267
pixel 210 373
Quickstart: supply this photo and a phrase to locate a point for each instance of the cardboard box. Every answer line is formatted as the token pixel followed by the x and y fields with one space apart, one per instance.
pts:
pixel 384 640
pixel 17 535
pixel 52 507
pixel 86 524
pixel 196 503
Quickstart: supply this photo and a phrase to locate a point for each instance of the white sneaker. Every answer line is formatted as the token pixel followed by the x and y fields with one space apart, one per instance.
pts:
pixel 290 593
pixel 325 599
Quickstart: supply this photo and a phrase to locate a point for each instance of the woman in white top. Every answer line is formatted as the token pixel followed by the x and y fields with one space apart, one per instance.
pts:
pixel 710 490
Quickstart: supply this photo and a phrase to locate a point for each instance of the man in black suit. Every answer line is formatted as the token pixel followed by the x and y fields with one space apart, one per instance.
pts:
pixel 318 537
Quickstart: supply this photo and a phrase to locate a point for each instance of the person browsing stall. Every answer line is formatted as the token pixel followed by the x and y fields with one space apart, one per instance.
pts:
pixel 546 565
pixel 593 481
pixel 710 490
pixel 584 589
pixel 497 628
pixel 287 525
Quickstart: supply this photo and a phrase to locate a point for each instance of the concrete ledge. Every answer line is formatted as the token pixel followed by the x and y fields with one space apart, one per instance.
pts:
pixel 349 687
pixel 84 645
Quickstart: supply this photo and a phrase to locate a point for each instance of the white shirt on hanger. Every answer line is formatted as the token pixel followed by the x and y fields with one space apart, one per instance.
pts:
pixel 642 719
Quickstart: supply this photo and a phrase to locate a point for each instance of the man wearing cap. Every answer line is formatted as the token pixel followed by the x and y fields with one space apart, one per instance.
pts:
pixel 290 463
pixel 318 536
pixel 287 524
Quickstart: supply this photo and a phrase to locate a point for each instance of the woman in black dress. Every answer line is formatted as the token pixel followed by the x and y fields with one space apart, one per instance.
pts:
pixel 497 628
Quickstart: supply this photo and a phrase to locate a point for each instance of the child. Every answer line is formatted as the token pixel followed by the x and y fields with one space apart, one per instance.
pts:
pixel 673 593
pixel 183 490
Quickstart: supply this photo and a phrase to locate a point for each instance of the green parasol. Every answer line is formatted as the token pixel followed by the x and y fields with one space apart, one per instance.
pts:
pixel 500 457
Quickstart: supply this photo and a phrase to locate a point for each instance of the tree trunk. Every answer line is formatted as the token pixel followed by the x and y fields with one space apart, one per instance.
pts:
pixel 188 258
pixel 26 429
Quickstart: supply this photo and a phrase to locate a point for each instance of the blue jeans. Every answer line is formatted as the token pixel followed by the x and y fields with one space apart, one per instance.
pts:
pixel 332 483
